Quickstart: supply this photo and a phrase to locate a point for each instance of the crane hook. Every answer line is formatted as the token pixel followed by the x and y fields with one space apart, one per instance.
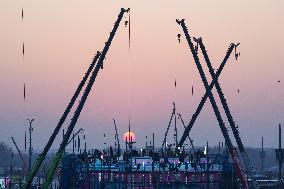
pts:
pixel 237 54
pixel 179 35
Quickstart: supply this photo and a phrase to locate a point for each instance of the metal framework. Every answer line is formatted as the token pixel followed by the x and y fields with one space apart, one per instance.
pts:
pixel 73 137
pixel 190 140
pixel 166 133
pixel 30 144
pixel 173 115
pixel 80 106
pixel 209 94
pixel 20 154
pixel 42 156
pixel 99 58
pixel 118 150
pixel 233 126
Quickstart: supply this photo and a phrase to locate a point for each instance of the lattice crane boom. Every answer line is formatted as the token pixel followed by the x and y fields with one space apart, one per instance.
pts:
pixel 42 156
pixel 117 138
pixel 20 153
pixel 204 98
pixel 166 133
pixel 80 106
pixel 81 129
pixel 184 126
pixel 211 98
pixel 228 113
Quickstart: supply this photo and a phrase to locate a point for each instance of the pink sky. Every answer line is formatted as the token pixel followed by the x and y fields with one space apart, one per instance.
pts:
pixel 62 37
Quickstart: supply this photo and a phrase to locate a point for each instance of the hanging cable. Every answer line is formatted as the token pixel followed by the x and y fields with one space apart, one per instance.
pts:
pixel 129 31
pixel 23 51
pixel 129 73
pixel 24 92
pixel 129 67
pixel 25 141
pixel 175 88
pixel 237 54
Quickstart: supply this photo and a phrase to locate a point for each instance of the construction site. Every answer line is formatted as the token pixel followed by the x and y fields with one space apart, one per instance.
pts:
pixel 167 157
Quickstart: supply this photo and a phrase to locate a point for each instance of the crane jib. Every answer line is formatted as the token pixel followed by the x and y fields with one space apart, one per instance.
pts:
pixel 80 106
pixel 209 94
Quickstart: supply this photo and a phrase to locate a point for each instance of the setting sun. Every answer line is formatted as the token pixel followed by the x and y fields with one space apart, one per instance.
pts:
pixel 128 135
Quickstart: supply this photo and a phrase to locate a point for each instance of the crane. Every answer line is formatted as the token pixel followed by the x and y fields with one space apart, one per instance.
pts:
pixel 166 134
pixel 84 97
pixel 20 154
pixel 80 130
pixel 42 156
pixel 117 139
pixel 204 98
pixel 232 123
pixel 211 98
pixel 190 140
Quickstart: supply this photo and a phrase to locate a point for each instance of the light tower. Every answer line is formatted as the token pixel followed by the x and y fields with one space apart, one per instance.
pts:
pixel 30 141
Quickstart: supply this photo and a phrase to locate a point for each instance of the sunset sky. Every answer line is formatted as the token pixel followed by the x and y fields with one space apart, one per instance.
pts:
pixel 62 37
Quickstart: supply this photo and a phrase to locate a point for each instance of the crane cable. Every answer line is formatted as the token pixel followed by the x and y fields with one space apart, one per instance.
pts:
pixel 129 71
pixel 129 31
pixel 23 65
pixel 23 49
pixel 175 94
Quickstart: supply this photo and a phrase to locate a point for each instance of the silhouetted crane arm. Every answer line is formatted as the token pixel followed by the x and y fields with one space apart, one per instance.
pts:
pixel 204 98
pixel 190 140
pixel 42 156
pixel 80 106
pixel 116 135
pixel 166 134
pixel 20 153
pixel 227 111
pixel 74 136
pixel 212 100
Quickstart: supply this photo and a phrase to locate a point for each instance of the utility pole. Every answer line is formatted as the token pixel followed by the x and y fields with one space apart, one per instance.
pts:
pixel 176 134
pixel 146 142
pixel 165 138
pixel 207 165
pixel 73 144
pixel 118 150
pixel 280 158
pixel 85 150
pixel 153 142
pixel 20 154
pixel 262 154
pixel 30 142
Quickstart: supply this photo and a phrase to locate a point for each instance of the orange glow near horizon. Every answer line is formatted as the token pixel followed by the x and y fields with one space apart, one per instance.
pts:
pixel 129 135
pixel 61 39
